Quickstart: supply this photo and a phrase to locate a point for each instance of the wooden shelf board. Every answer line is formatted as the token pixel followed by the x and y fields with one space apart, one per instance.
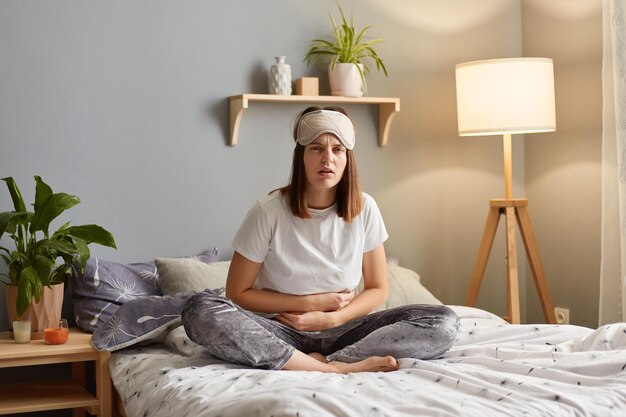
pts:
pixel 42 396
pixel 317 99
pixel 77 348
pixel 387 108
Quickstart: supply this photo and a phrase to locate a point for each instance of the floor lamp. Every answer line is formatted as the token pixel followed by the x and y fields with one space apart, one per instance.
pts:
pixel 505 97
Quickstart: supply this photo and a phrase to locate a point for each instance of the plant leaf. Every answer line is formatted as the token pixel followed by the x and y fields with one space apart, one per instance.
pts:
pixel 92 233
pixel 43 265
pixel 42 192
pixel 61 274
pixel 83 251
pixel 26 289
pixel 16 196
pixel 50 209
pixel 62 228
pixel 63 247
pixel 8 221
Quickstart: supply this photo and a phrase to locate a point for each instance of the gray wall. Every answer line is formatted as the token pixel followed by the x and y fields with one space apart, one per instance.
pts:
pixel 563 169
pixel 125 105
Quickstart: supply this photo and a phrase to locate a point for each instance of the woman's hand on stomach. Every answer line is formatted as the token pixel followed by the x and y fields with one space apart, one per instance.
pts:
pixel 330 301
pixel 309 321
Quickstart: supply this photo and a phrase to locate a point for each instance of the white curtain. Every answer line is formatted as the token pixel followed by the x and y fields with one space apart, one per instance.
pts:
pixel 613 253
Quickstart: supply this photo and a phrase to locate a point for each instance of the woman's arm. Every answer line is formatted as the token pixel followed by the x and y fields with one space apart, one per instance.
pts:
pixel 374 293
pixel 241 277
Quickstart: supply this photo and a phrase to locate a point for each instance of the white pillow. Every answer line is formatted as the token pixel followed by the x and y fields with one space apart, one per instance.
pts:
pixel 404 288
pixel 182 275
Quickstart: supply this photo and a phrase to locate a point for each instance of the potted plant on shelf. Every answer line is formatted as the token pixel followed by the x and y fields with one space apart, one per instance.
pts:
pixel 41 262
pixel 348 54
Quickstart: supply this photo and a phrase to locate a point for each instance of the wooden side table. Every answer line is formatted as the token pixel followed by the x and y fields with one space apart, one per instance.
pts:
pixel 56 394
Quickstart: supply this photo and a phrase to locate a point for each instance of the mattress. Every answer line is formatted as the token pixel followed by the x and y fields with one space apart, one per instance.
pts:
pixel 494 369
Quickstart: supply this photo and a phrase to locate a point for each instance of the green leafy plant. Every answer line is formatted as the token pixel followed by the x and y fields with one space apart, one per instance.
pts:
pixel 33 262
pixel 347 47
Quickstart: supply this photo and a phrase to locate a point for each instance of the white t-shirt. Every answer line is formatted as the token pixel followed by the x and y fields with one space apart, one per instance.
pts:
pixel 308 256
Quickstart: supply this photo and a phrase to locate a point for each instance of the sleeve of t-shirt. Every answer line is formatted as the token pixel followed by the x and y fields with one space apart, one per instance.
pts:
pixel 375 231
pixel 254 236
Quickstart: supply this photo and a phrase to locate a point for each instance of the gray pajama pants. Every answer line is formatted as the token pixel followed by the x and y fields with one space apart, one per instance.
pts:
pixel 236 335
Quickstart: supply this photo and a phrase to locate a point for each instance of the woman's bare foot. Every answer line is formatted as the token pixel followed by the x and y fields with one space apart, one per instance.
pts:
pixel 317 362
pixel 371 364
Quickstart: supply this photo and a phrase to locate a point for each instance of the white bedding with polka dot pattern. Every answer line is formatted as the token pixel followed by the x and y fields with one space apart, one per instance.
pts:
pixel 495 369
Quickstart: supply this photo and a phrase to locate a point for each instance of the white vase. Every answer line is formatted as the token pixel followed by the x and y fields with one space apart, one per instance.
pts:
pixel 345 80
pixel 280 77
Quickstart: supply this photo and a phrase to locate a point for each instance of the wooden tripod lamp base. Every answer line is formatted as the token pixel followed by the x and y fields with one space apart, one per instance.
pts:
pixel 514 209
pixel 504 97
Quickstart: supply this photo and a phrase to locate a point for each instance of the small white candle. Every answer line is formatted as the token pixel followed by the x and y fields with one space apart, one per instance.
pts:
pixel 21 331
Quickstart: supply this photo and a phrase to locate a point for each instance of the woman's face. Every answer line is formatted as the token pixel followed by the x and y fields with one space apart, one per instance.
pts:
pixel 324 162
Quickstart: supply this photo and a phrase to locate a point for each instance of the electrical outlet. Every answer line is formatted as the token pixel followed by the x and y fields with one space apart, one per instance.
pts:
pixel 562 315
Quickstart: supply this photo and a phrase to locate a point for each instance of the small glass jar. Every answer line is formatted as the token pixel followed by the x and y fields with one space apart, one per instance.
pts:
pixel 55 332
pixel 21 331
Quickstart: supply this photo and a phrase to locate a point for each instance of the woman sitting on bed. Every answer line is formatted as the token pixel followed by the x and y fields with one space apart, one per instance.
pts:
pixel 299 256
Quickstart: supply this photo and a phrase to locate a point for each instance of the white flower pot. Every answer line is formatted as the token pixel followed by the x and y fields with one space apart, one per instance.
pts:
pixel 345 80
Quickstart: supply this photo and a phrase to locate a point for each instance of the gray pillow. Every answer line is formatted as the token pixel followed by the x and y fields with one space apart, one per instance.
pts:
pixel 184 275
pixel 99 290
pixel 142 320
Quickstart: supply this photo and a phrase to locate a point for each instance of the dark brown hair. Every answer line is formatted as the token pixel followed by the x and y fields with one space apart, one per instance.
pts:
pixel 349 197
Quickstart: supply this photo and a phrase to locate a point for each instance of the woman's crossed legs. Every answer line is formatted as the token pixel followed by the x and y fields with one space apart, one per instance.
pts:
pixel 369 343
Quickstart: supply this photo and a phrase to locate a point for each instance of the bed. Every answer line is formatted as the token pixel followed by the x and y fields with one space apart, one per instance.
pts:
pixel 494 369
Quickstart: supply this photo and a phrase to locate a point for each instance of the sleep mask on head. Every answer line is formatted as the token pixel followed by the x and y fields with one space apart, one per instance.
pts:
pixel 318 122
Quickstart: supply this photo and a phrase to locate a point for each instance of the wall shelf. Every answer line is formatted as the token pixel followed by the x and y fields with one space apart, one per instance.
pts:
pixel 387 108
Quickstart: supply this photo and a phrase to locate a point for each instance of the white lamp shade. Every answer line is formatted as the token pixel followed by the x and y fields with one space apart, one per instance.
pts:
pixel 505 96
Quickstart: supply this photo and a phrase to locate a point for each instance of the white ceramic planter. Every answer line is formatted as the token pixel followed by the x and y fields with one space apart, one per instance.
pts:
pixel 345 80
